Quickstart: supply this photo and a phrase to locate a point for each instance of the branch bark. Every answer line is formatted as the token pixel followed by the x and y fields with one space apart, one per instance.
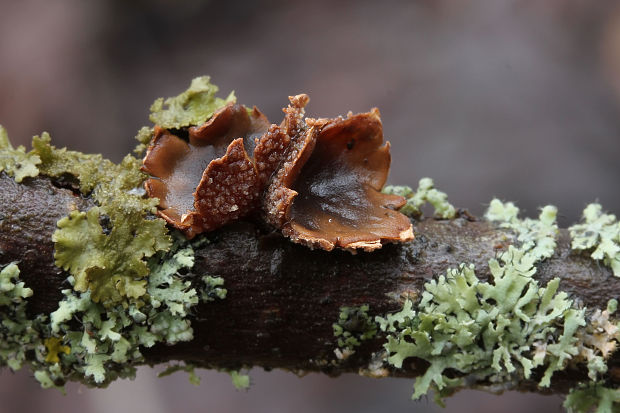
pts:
pixel 283 298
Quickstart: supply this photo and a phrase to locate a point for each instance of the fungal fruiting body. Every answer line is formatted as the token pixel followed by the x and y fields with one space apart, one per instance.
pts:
pixel 209 179
pixel 318 180
pixel 328 191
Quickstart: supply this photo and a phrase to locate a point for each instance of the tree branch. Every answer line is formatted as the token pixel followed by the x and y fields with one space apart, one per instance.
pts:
pixel 283 298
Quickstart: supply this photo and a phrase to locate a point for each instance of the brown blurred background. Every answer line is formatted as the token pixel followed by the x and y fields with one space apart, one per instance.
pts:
pixel 518 99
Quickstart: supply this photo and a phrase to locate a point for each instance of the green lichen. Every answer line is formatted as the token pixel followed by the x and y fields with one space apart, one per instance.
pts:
pixel 144 136
pixel 495 332
pixel 426 193
pixel 504 329
pixel 212 288
pixel 15 161
pixel 192 107
pixel 354 325
pixel 239 380
pixel 599 233
pixel 587 397
pixel 189 368
pixel 105 247
pixel 106 342
pixel 16 330
pixel 536 237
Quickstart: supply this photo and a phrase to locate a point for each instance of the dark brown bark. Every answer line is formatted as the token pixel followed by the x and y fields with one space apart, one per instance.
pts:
pixel 282 297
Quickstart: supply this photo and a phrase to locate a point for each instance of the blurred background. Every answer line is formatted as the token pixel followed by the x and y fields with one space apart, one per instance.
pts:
pixel 518 99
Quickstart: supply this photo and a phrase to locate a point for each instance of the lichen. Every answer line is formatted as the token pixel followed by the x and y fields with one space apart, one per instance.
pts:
pixel 239 380
pixel 189 368
pixel 585 398
pixel 354 325
pixel 192 107
pixel 106 342
pixel 105 247
pixel 212 288
pixel 16 332
pixel 599 339
pixel 496 331
pixel 599 233
pixel 426 193
pixel 505 329
pixel 536 237
pixel 15 161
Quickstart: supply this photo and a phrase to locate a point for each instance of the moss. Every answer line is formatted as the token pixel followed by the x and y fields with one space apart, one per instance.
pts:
pixel 15 161
pixel 426 193
pixel 354 325
pixel 192 107
pixel 600 234
pixel 587 397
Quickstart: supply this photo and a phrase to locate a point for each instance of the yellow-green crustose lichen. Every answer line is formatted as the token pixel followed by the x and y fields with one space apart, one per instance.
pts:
pixel 599 233
pixel 426 193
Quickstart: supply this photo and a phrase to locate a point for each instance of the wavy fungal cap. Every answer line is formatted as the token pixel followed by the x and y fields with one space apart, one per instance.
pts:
pixel 318 180
pixel 209 179
pixel 328 192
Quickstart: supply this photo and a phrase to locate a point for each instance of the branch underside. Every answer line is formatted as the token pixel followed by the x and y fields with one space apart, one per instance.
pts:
pixel 283 298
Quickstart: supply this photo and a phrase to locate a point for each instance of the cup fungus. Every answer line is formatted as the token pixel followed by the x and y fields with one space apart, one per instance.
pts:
pixel 318 180
pixel 328 191
pixel 208 180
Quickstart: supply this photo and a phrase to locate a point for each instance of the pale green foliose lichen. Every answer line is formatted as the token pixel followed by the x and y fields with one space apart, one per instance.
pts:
pixel 212 288
pixel 105 342
pixel 354 325
pixel 16 331
pixel 15 161
pixel 534 236
pixel 593 397
pixel 192 107
pixel 426 193
pixel 497 331
pixel 239 380
pixel 599 233
pixel 189 368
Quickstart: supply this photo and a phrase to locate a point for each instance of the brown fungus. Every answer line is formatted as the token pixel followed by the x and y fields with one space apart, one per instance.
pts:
pixel 209 180
pixel 327 192
pixel 324 177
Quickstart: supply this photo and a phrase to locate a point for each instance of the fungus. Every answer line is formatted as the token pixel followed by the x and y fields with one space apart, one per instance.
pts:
pixel 327 192
pixel 208 180
pixel 323 176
